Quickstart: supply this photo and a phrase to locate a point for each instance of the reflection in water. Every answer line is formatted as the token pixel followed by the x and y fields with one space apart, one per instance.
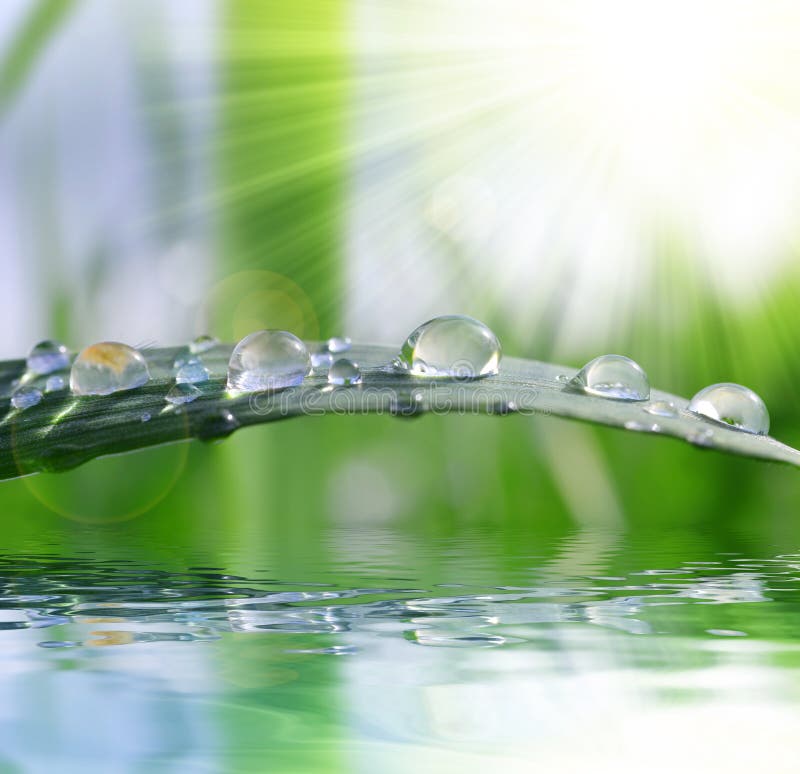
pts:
pixel 119 604
pixel 440 663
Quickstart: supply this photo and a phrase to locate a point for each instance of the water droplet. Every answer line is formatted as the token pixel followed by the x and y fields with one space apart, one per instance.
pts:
pixel 191 372
pixel 202 344
pixel 321 359
pixel 145 417
pixel 407 406
pixel 268 360
pixel 704 437
pixel 48 356
pixel 613 376
pixel 662 408
pixel 733 405
pixel 55 383
pixel 182 393
pixel 344 373
pixel 454 345
pixel 339 344
pixel 502 407
pixel 217 426
pixel 108 367
pixel 25 397
pixel 643 427
pixel 563 378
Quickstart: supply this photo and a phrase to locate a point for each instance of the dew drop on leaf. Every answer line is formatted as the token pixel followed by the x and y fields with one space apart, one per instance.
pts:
pixel 613 376
pixel 48 356
pixel 662 408
pixel 344 373
pixel 25 397
pixel 268 360
pixel 191 372
pixel 338 344
pixel 108 367
pixel 732 405
pixel 182 393
pixel 202 344
pixel 451 346
pixel 55 383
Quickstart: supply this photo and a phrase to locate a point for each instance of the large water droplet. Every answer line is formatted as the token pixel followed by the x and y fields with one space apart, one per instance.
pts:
pixel 734 405
pixel 454 345
pixel 344 373
pixel 202 344
pixel 108 367
pixel 48 356
pixel 268 360
pixel 613 376
pixel 338 344
pixel 191 372
pixel 182 393
pixel 25 397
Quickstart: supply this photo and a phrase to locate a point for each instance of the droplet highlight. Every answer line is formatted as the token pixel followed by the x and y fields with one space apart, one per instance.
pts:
pixel 182 393
pixel 268 360
pixel 613 376
pixel 47 356
pixel 344 373
pixel 733 405
pixel 106 368
pixel 25 397
pixel 454 346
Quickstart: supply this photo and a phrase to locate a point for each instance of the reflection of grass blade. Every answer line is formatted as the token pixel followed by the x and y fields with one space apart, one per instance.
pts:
pixel 36 30
pixel 63 431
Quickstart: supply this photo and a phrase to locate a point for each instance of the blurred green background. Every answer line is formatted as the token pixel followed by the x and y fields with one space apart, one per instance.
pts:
pixel 354 167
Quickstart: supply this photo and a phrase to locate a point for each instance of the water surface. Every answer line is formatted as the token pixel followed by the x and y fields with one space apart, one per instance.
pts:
pixel 387 649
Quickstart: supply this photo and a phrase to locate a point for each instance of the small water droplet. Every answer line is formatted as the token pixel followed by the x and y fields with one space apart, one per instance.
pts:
pixel 643 427
pixel 217 426
pixel 25 397
pixel 732 405
pixel 454 345
pixel 55 383
pixel 662 408
pixel 613 376
pixel 321 359
pixel 48 356
pixel 407 406
pixel 202 344
pixel 191 372
pixel 268 360
pixel 344 373
pixel 182 393
pixel 563 378
pixel 703 437
pixel 145 417
pixel 108 367
pixel 338 344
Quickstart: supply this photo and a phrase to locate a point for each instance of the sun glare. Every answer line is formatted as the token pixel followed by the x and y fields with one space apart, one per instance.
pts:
pixel 594 131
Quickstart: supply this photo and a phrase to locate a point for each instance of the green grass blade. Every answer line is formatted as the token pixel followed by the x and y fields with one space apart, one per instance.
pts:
pixel 64 430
